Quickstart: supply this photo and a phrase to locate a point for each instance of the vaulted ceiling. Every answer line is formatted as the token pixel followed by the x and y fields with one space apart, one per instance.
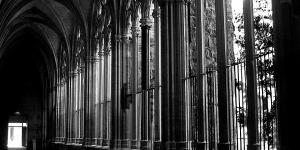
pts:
pixel 56 21
pixel 53 20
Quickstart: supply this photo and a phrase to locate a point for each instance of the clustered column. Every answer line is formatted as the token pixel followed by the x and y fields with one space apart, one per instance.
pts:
pixel 135 124
pixel 174 36
pixel 202 141
pixel 145 80
pixel 225 141
pixel 156 137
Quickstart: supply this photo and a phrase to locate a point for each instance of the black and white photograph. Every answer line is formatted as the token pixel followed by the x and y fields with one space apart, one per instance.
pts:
pixel 149 74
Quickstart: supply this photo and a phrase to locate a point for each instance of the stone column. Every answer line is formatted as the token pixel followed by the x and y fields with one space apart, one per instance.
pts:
pixel 225 128
pixel 116 90
pixel 107 87
pixel 75 105
pixel 124 128
pixel 3 130
pixel 107 97
pixel 83 102
pixel 286 16
pixel 92 62
pixel 200 38
pixel 156 137
pixel 100 89
pixel 145 28
pixel 89 100
pixel 53 113
pixel 80 102
pixel 72 79
pixel 67 108
pixel 135 130
pixel 252 114
pixel 174 48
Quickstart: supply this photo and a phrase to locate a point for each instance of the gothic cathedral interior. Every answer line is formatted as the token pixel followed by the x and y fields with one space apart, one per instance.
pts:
pixel 149 74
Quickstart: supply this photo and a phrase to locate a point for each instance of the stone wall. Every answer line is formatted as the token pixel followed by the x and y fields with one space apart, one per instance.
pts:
pixel 210 34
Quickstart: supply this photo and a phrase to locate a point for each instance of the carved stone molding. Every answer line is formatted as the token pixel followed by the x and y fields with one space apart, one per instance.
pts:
pixel 146 22
pixel 135 31
pixel 156 13
pixel 92 59
pixel 73 73
pixel 107 51
pixel 126 38
pixel 101 53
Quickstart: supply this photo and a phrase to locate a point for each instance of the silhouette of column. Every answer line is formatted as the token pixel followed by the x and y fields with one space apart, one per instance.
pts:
pixel 202 142
pixel 145 80
pixel 225 142
pixel 156 137
pixel 3 130
pixel 252 114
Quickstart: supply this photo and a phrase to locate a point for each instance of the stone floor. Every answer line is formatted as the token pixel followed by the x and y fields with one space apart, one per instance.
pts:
pixel 17 148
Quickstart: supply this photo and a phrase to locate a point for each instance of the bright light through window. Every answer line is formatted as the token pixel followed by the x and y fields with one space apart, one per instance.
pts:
pixel 14 138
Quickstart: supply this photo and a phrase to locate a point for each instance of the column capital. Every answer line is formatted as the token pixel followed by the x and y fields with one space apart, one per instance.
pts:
pixel 81 68
pixel 62 82
pixel 156 13
pixel 135 30
pixel 73 73
pixel 146 22
pixel 101 53
pixel 106 51
pixel 118 37
pixel 92 59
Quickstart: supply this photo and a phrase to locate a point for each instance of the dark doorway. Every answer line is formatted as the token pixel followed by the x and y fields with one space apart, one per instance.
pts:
pixel 23 72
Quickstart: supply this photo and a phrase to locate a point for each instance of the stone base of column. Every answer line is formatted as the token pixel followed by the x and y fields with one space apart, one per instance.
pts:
pixel 135 144
pixel 200 145
pixel 94 141
pixel 88 141
pixel 99 142
pixel 225 146
pixel 125 143
pixel 117 143
pixel 69 141
pixel 170 145
pixel 145 145
pixel 182 145
pixel 254 146
pixel 105 143
pixel 79 140
pixel 157 145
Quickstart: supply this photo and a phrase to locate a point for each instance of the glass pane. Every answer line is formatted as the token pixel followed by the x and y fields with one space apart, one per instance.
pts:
pixel 14 136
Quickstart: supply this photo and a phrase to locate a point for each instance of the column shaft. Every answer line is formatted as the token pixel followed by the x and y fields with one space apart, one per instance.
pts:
pixel 145 85
pixel 174 50
pixel 252 117
pixel 200 37
pixel 135 129
pixel 223 100
pixel 156 137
